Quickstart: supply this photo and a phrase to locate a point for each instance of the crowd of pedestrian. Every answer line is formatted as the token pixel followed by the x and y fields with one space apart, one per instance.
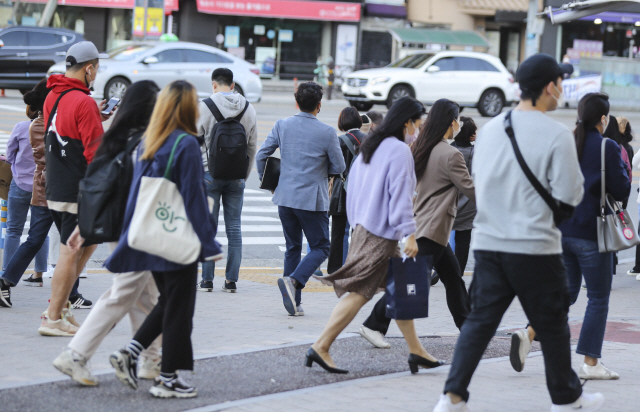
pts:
pixel 428 179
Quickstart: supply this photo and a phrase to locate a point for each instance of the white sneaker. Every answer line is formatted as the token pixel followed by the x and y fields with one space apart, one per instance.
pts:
pixel 445 405
pixel 149 368
pixel 75 365
pixel 587 402
pixel 49 273
pixel 638 277
pixel 630 272
pixel 60 327
pixel 83 275
pixel 374 337
pixel 69 316
pixel 599 371
pixel 520 348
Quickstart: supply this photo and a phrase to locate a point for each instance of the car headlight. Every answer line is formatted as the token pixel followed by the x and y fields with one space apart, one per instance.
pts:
pixel 380 80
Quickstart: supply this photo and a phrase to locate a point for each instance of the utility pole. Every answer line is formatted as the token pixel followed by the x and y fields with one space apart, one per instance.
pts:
pixel 47 14
pixel 532 41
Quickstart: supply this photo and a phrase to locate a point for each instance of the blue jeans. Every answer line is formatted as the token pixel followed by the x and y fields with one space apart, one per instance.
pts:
pixel 315 226
pixel 18 206
pixel 232 194
pixel 582 259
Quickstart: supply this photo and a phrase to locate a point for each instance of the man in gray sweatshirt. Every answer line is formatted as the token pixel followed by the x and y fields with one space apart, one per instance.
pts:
pixel 516 243
pixel 231 192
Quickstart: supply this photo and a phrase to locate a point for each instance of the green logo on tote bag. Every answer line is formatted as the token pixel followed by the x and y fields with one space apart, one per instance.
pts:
pixel 167 216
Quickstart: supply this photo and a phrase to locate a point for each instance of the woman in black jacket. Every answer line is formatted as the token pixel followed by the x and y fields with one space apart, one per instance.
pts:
pixel 349 122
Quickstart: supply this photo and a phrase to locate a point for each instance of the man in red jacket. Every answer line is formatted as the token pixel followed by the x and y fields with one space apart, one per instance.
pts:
pixel 73 134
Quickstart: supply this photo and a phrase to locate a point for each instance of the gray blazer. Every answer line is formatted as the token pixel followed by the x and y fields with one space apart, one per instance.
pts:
pixel 309 153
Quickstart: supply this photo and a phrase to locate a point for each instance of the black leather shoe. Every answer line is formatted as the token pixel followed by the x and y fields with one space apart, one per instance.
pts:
pixel 312 356
pixel 416 361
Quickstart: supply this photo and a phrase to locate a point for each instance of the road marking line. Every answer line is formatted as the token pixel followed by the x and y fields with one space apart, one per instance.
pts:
pixel 12 108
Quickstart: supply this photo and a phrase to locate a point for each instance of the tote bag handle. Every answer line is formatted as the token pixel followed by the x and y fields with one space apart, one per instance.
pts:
pixel 167 172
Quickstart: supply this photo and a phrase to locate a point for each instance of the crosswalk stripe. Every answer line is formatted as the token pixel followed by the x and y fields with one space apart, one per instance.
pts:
pixel 267 240
pixel 255 228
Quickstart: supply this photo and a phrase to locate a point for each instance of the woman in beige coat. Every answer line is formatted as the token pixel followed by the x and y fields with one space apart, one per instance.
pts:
pixel 441 173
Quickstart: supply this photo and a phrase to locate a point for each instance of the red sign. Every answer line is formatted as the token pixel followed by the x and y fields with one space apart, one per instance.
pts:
pixel 309 10
pixel 112 4
pixel 170 5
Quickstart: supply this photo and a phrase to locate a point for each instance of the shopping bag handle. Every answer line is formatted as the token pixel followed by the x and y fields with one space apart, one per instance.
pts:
pixel 405 257
pixel 167 172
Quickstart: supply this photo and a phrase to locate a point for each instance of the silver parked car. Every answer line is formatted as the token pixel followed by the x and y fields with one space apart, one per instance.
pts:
pixel 164 62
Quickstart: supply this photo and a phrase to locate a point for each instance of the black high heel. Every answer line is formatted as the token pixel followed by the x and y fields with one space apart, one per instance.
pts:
pixel 415 361
pixel 312 356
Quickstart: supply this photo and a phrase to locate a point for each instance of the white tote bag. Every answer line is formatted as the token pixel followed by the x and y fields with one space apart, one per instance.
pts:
pixel 160 225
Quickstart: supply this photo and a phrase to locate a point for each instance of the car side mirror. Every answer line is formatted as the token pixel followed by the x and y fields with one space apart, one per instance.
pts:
pixel 433 69
pixel 1 43
pixel 150 60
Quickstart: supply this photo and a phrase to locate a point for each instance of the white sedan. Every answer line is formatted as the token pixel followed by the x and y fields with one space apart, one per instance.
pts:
pixel 164 62
pixel 468 78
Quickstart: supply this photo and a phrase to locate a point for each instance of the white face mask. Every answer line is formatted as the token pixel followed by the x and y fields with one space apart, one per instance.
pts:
pixel 410 138
pixel 605 124
pixel 456 132
pixel 560 98
pixel 89 84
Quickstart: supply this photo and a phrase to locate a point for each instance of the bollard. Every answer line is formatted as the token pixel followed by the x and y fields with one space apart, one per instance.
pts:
pixel 2 93
pixel 3 227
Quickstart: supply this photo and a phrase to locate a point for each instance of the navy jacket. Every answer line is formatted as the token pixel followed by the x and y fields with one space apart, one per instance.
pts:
pixel 583 224
pixel 188 174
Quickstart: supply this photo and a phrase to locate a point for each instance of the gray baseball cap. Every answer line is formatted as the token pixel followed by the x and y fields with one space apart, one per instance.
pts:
pixel 83 52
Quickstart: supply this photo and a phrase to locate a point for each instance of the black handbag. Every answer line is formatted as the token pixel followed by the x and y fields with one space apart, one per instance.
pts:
pixel 338 199
pixel 271 175
pixel 408 284
pixel 561 211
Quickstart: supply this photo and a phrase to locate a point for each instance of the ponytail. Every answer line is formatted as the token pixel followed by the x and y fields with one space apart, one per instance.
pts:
pixel 591 108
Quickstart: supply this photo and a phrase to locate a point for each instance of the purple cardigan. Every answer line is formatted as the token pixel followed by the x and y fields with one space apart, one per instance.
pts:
pixel 380 194
pixel 20 156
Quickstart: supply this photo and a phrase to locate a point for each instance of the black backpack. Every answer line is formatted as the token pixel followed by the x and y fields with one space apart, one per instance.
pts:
pixel 228 158
pixel 102 199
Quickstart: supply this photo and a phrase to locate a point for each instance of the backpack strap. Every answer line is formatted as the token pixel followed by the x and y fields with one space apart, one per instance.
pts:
pixel 348 143
pixel 246 106
pixel 214 109
pixel 55 108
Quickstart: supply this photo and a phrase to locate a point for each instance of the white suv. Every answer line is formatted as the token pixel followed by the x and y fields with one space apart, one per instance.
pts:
pixel 468 78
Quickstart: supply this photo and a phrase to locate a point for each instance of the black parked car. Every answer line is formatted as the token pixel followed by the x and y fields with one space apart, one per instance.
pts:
pixel 27 52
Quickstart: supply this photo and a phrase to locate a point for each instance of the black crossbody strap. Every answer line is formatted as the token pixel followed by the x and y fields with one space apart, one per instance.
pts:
pixel 214 109
pixel 55 108
pixel 546 196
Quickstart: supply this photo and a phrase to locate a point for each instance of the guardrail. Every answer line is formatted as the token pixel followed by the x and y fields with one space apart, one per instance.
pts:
pixel 318 72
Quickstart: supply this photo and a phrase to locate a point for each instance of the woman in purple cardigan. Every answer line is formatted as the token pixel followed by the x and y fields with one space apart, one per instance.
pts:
pixel 381 185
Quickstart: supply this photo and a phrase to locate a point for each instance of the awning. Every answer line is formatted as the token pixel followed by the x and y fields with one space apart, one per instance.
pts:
pixel 490 7
pixel 576 10
pixel 435 36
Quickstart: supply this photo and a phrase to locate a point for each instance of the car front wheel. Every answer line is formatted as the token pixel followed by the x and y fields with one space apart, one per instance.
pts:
pixel 491 103
pixel 116 88
pixel 398 93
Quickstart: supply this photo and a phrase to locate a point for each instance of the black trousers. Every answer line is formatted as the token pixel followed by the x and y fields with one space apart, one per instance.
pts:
pixel 463 242
pixel 338 226
pixel 540 283
pixel 173 318
pixel 446 264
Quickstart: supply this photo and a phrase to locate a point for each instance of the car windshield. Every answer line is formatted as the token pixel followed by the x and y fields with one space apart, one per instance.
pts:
pixel 129 52
pixel 413 61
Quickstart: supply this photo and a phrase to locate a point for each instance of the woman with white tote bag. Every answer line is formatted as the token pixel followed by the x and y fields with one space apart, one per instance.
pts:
pixel 167 229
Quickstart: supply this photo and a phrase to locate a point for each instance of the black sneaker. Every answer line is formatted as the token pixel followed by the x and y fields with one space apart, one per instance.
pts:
pixel 5 294
pixel 229 287
pixel 205 286
pixel 175 388
pixel 31 281
pixel 126 368
pixel 78 302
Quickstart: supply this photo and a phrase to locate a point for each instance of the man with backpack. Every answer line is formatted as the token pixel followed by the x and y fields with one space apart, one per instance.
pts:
pixel 228 125
pixel 72 136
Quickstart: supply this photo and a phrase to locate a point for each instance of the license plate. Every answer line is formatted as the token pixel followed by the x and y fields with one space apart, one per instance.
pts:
pixel 353 90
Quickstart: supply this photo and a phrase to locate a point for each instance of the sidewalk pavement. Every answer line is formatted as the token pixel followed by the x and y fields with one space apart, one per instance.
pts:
pixel 254 318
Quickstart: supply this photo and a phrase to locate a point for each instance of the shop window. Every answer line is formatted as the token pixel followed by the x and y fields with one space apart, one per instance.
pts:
pixel 41 39
pixel 14 38
pixel 170 56
pixel 198 56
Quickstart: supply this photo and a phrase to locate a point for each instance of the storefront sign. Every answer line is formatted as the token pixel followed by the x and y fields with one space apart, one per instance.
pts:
pixel 285 36
pixel 111 4
pixel 309 10
pixel 155 19
pixel 575 89
pixel 346 42
pixel 232 36
pixel 171 5
pixel 259 30
pixel 266 60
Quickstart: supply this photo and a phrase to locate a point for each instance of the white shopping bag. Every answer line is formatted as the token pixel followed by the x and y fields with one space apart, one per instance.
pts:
pixel 160 225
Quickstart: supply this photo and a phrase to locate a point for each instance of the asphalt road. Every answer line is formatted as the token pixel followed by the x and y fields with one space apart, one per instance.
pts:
pixel 263 241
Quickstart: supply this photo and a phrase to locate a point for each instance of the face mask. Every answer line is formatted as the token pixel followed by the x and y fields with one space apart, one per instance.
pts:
pixel 605 124
pixel 89 83
pixel 457 132
pixel 560 98
pixel 410 138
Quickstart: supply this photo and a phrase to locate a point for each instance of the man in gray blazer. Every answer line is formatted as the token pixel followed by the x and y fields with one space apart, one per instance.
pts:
pixel 309 152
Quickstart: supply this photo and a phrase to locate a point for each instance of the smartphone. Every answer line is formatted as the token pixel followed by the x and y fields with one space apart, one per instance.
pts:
pixel 110 106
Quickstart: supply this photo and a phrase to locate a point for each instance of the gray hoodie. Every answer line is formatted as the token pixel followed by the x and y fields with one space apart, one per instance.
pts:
pixel 230 105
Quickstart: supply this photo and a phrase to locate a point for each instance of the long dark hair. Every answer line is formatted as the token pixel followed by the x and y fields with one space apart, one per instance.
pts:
pixel 403 110
pixel 439 119
pixel 613 131
pixel 132 116
pixel 35 98
pixel 469 128
pixel 591 108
